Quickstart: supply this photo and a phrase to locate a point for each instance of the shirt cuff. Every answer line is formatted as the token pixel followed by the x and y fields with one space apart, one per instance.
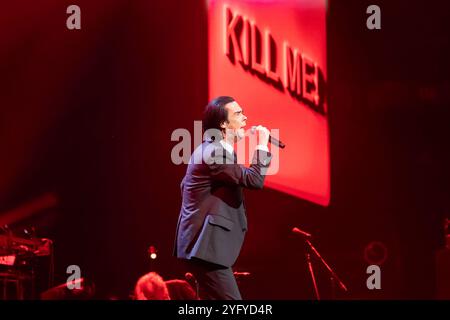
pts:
pixel 262 147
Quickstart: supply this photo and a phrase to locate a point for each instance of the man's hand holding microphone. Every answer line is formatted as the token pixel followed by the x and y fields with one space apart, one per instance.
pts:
pixel 264 137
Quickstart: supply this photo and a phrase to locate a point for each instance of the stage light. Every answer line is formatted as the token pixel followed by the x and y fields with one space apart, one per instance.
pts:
pixel 152 252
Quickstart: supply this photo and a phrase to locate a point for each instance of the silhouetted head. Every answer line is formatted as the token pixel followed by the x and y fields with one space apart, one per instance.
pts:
pixel 151 287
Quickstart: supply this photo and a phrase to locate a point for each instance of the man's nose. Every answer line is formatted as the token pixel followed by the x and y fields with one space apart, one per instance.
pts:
pixel 245 118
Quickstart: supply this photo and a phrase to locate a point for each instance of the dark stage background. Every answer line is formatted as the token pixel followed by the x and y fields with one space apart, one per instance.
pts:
pixel 88 115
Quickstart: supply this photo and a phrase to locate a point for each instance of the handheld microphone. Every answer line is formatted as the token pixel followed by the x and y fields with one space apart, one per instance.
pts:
pixel 301 232
pixel 272 140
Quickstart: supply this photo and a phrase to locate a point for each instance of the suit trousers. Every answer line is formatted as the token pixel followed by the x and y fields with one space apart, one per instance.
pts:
pixel 215 282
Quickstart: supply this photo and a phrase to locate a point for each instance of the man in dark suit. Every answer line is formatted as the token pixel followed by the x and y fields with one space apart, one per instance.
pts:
pixel 212 222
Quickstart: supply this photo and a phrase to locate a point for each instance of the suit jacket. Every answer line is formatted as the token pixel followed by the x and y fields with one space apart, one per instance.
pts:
pixel 212 221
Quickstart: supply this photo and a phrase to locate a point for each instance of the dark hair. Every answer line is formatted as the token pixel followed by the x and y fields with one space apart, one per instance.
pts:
pixel 215 113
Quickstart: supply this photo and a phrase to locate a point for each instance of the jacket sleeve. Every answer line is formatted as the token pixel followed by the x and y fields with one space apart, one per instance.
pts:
pixel 222 168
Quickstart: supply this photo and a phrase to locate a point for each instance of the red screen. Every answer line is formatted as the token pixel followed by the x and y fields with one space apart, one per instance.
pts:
pixel 271 57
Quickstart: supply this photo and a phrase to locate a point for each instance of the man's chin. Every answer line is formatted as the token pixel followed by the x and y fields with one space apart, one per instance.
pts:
pixel 240 133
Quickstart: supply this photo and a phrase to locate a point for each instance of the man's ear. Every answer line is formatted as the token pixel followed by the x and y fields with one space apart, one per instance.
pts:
pixel 223 125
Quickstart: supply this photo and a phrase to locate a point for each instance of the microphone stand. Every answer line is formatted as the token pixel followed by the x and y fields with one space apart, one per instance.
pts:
pixel 197 296
pixel 333 276
pixel 189 276
pixel 313 277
